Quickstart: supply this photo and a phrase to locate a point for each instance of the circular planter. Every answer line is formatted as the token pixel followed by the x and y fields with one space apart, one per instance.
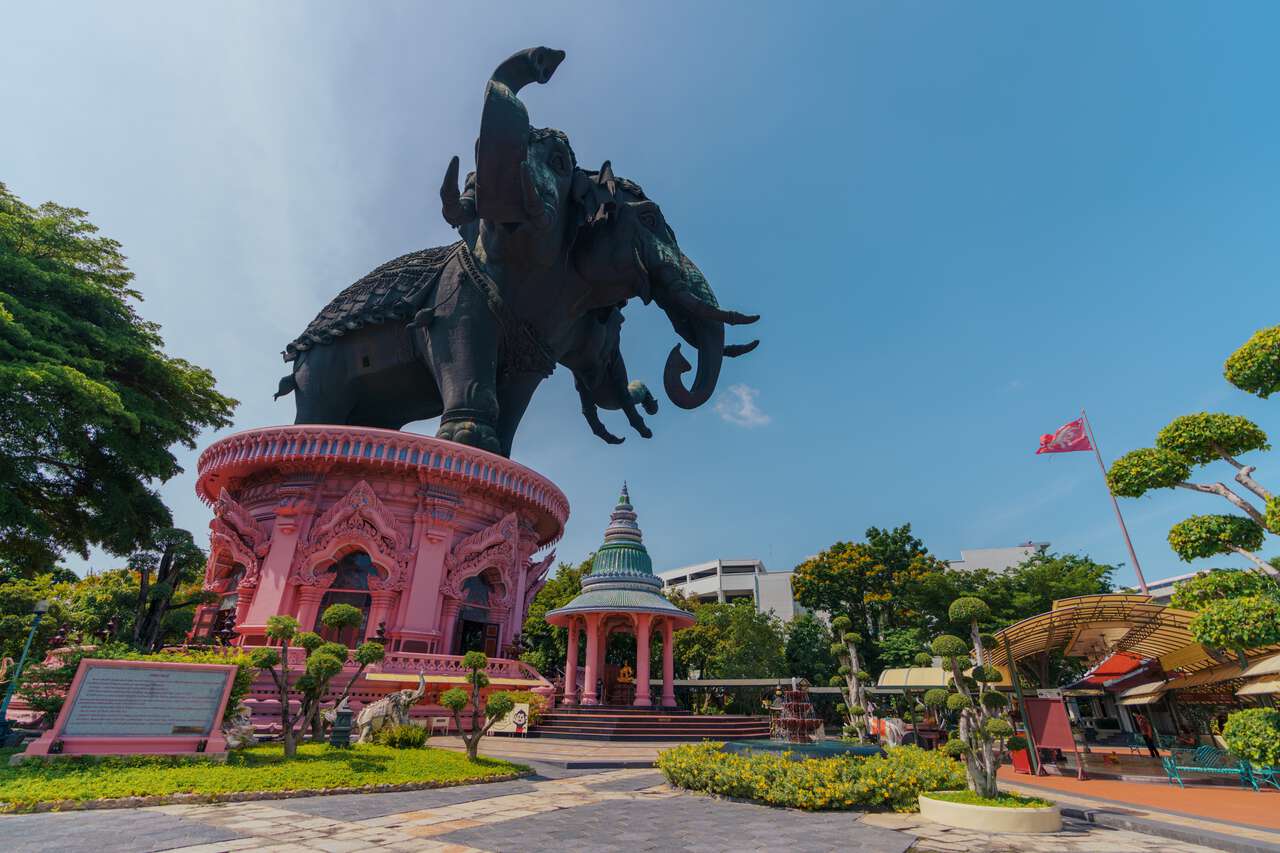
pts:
pixel 993 819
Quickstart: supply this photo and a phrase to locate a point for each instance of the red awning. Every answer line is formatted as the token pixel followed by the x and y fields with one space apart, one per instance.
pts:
pixel 1117 668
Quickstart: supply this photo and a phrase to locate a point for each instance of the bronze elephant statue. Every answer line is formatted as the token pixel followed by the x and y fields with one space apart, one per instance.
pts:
pixel 468 331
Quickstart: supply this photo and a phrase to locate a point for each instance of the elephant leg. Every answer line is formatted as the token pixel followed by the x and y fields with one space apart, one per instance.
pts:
pixel 592 413
pixel 514 394
pixel 462 352
pixel 618 378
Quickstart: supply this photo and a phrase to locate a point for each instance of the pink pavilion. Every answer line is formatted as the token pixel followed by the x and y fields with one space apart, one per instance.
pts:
pixel 620 594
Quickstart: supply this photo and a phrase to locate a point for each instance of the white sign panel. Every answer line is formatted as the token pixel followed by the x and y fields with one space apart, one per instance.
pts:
pixel 124 701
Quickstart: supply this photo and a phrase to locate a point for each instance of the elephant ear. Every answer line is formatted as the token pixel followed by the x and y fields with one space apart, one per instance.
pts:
pixel 594 194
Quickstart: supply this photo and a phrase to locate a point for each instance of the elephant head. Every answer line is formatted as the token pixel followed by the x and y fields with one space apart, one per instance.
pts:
pixel 521 185
pixel 630 250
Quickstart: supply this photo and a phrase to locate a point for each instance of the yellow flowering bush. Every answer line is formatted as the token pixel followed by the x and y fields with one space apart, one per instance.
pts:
pixel 815 784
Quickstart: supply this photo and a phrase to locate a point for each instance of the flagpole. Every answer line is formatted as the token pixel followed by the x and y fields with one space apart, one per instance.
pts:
pixel 1137 568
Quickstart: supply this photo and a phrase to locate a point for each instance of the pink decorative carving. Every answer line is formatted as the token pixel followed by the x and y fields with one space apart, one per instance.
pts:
pixel 359 520
pixel 227 510
pixel 537 574
pixel 496 546
pixel 234 532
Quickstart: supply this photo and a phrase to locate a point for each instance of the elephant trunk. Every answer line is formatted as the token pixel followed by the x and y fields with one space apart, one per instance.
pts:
pixel 501 149
pixel 698 318
pixel 709 338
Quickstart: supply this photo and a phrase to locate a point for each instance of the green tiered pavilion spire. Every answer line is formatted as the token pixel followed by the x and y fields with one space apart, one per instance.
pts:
pixel 621 577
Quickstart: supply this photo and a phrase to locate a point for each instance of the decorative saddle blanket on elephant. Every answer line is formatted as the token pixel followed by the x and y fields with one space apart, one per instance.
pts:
pixel 393 291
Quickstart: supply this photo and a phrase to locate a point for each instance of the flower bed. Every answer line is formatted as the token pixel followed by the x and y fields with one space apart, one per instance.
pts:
pixel 890 782
pixel 317 767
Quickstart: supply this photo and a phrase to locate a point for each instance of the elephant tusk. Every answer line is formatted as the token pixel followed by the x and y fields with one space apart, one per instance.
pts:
pixel 735 350
pixel 455 213
pixel 704 311
pixel 533 205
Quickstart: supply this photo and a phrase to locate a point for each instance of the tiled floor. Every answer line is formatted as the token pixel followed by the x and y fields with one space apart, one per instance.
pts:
pixel 608 810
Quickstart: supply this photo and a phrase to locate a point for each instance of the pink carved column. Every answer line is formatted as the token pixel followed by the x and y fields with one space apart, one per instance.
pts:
pixel 244 598
pixel 309 606
pixel 644 623
pixel 571 666
pixel 589 696
pixel 668 665
pixel 452 606
pixel 273 578
pixel 379 611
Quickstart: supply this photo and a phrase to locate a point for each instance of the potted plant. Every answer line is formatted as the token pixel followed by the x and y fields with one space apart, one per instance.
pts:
pixel 981 739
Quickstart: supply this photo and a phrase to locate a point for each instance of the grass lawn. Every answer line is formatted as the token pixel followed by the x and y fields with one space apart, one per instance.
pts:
pixel 260 768
pixel 1005 800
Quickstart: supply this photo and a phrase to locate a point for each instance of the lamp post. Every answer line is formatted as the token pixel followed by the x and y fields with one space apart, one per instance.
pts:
pixel 42 607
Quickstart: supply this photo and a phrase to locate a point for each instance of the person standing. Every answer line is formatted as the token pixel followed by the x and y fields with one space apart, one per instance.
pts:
pixel 1144 728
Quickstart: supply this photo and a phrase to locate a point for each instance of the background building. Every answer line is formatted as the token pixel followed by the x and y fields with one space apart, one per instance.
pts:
pixel 730 580
pixel 996 559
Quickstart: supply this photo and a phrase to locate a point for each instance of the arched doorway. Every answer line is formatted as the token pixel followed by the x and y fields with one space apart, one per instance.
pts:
pixel 350 586
pixel 477 631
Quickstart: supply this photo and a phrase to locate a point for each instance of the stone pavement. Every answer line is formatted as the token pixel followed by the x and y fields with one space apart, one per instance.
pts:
pixel 560 810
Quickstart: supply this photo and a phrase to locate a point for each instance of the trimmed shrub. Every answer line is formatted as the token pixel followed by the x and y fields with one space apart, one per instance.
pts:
pixel 1254 735
pixel 893 781
pixel 407 736
pixel 537 703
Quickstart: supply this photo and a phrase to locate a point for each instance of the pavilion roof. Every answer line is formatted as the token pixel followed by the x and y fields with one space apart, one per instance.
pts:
pixel 1097 626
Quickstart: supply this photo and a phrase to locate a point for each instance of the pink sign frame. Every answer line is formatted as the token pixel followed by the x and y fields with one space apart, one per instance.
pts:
pixel 55 741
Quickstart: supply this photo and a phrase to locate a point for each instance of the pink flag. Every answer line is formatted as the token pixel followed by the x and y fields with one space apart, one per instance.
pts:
pixel 1069 437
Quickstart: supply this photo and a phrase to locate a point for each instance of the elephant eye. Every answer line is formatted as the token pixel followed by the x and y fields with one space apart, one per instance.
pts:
pixel 559 163
pixel 649 219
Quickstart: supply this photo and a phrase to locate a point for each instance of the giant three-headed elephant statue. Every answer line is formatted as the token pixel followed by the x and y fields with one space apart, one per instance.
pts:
pixel 548 252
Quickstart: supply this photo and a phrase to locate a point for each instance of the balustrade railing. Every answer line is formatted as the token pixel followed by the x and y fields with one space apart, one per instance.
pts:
pixel 377 447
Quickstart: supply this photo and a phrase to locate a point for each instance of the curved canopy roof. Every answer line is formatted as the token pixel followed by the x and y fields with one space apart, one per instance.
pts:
pixel 1095 626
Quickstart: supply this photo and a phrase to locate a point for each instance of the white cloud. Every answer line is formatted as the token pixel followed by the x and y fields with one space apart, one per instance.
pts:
pixel 737 405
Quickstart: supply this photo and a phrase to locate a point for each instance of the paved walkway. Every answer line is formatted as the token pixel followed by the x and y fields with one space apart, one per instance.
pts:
pixel 1238 805
pixel 564 752
pixel 560 810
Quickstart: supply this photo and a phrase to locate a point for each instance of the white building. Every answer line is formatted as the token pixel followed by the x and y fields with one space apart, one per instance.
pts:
pixel 730 580
pixel 1162 590
pixel 997 559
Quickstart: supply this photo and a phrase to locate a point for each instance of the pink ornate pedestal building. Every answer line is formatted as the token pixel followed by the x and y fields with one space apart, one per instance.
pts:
pixel 433 541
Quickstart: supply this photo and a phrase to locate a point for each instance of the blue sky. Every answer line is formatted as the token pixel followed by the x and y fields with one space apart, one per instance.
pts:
pixel 961 223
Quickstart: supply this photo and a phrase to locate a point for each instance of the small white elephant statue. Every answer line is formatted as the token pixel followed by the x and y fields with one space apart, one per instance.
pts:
pixel 390 710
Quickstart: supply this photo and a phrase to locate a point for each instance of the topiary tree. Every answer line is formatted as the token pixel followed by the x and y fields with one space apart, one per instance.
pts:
pixel 1235 609
pixel 851 677
pixel 1254 735
pixel 482 720
pixel 1203 536
pixel 983 734
pixel 1255 367
pixel 280 629
pixel 324 660
pixel 1189 442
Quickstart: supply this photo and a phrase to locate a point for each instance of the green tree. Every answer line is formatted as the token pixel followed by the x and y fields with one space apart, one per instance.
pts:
pixel 886 582
pixel 545 645
pixel 176 561
pixel 732 640
pixel 497 706
pixel 1255 367
pixel 1188 443
pixel 808 649
pixel 89 403
pixel 1032 586
pixel 984 733
pixel 281 630
pixel 1236 610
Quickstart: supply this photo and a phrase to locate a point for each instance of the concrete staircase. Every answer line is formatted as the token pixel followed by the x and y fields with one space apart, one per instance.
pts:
pixel 608 723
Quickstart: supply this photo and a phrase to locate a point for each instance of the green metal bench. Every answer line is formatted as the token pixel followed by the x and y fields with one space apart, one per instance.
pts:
pixel 1207 760
pixel 1270 775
